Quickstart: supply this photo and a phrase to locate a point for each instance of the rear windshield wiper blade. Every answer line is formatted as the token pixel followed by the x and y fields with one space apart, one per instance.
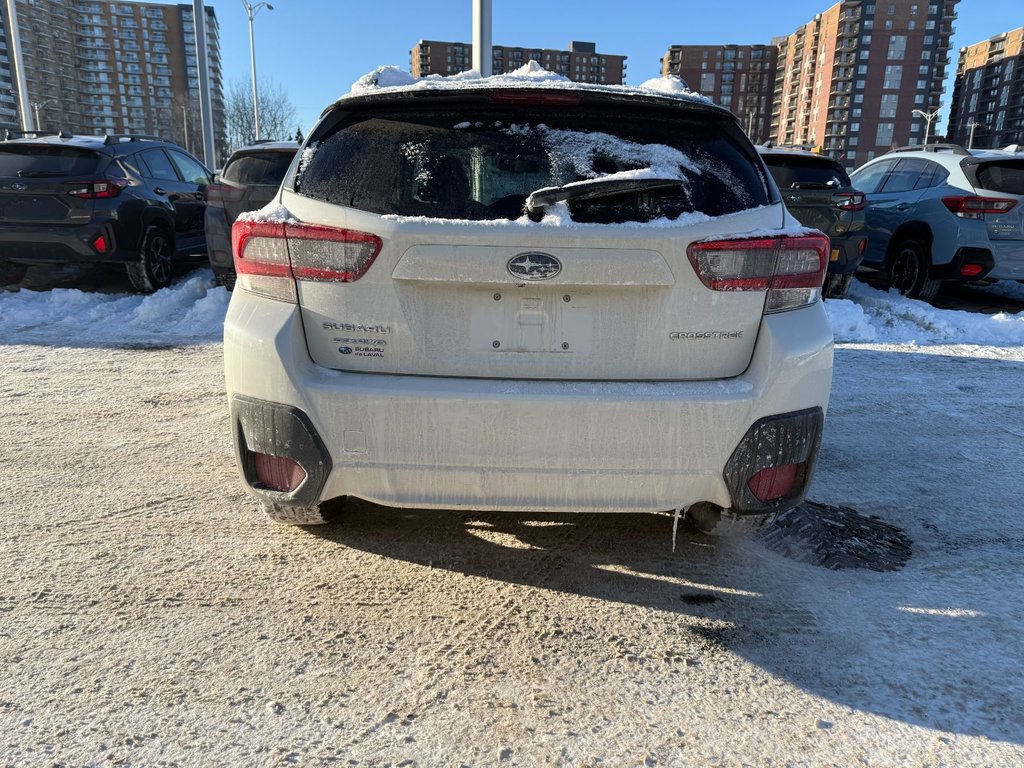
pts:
pixel 40 174
pixel 814 185
pixel 586 190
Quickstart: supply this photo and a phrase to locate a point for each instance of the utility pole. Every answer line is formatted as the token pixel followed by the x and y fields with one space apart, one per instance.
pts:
pixel 483 60
pixel 972 125
pixel 205 102
pixel 19 68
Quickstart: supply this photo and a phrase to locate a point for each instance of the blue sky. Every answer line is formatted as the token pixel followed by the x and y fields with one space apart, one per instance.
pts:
pixel 317 48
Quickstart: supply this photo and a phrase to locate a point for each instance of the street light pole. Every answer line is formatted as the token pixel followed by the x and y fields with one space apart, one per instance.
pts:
pixel 35 108
pixel 972 125
pixel 929 117
pixel 252 10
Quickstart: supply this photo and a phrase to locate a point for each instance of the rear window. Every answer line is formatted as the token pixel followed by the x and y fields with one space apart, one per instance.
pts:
pixel 1002 176
pixel 482 166
pixel 806 172
pixel 258 168
pixel 42 160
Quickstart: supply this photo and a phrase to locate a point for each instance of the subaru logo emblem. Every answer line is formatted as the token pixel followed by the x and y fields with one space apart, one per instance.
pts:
pixel 534 266
pixel 345 350
pixel 795 198
pixel 19 186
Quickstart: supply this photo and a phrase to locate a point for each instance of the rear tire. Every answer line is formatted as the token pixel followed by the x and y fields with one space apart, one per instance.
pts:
pixel 286 515
pixel 12 274
pixel 227 280
pixel 153 270
pixel 908 271
pixel 712 520
pixel 836 286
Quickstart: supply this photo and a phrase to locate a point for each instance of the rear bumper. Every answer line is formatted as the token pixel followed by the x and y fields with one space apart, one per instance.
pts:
pixel 218 240
pixel 63 244
pixel 1009 259
pixel 488 444
pixel 846 255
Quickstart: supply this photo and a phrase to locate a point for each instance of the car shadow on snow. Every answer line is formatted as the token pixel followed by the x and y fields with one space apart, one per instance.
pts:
pixel 734 596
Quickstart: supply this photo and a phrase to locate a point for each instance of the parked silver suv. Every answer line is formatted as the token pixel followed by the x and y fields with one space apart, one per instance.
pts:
pixel 944 214
pixel 511 294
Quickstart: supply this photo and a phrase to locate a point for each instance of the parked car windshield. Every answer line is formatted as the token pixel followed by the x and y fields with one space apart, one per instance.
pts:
pixel 1002 176
pixel 258 168
pixel 439 164
pixel 28 160
pixel 791 172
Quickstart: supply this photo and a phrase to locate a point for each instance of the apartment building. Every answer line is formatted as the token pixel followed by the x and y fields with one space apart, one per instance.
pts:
pixel 849 81
pixel 114 66
pixel 581 62
pixel 740 77
pixel 988 94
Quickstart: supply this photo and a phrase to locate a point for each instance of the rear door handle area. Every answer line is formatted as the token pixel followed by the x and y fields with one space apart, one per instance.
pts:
pixel 903 207
pixel 160 190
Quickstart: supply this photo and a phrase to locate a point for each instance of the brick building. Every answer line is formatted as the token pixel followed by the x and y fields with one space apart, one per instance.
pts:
pixel 106 66
pixel 989 92
pixel 740 77
pixel 581 62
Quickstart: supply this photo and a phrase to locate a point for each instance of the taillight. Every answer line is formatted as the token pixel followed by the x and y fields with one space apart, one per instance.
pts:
pixel 973 207
pixel 97 190
pixel 790 269
pixel 849 201
pixel 270 256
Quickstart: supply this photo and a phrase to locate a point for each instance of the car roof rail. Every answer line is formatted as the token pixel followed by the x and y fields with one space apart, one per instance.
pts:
pixel 16 133
pixel 955 149
pixel 117 138
pixel 1015 148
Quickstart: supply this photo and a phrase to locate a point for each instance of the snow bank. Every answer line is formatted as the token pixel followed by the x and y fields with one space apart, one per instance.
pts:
pixel 189 312
pixel 870 316
pixel 530 75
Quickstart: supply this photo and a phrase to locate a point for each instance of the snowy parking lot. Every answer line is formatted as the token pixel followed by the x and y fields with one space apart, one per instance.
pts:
pixel 151 616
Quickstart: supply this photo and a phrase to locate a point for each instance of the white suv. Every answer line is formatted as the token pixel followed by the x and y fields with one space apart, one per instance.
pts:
pixel 534 295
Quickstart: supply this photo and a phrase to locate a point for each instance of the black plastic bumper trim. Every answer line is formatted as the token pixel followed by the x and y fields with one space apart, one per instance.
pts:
pixel 259 426
pixel 951 271
pixel 789 438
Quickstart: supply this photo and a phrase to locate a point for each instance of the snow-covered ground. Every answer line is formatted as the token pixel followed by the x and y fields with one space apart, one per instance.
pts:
pixel 151 616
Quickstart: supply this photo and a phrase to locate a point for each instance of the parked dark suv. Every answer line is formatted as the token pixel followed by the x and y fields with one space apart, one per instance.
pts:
pixel 249 181
pixel 817 191
pixel 132 200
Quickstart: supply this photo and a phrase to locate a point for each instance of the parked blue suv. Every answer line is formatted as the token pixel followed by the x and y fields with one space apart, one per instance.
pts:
pixel 943 214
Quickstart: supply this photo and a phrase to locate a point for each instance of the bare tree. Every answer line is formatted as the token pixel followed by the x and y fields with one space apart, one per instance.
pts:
pixel 277 114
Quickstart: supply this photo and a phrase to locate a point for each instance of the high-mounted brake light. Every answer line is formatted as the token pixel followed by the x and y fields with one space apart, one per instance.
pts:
pixel 790 269
pixel 553 99
pixel 270 256
pixel 849 201
pixel 973 207
pixel 97 190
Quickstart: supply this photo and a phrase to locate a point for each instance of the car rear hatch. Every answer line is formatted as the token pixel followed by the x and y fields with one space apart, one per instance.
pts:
pixel 249 181
pixel 411 253
pixel 47 183
pixel 816 190
pixel 1000 182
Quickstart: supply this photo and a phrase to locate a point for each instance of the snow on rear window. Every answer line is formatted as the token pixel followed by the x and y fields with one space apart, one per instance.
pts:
pixel 439 164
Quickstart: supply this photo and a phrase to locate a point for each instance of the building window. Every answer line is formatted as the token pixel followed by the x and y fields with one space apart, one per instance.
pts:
pixel 883 137
pixel 889 105
pixel 893 76
pixel 897 47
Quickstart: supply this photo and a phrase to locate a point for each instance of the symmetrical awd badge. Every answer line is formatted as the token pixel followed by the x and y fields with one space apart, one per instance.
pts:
pixel 534 266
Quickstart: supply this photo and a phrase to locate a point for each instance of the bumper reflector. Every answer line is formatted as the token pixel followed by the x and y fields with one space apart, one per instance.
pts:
pixel 972 270
pixel 278 473
pixel 774 482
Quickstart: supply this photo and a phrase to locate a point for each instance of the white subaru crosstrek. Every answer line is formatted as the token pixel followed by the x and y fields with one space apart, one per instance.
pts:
pixel 521 293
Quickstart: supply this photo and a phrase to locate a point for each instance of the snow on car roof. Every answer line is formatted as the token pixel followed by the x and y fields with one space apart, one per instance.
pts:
pixel 531 75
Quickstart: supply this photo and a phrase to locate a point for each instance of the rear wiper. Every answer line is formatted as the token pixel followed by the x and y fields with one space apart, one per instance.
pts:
pixel 586 190
pixel 40 174
pixel 813 185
